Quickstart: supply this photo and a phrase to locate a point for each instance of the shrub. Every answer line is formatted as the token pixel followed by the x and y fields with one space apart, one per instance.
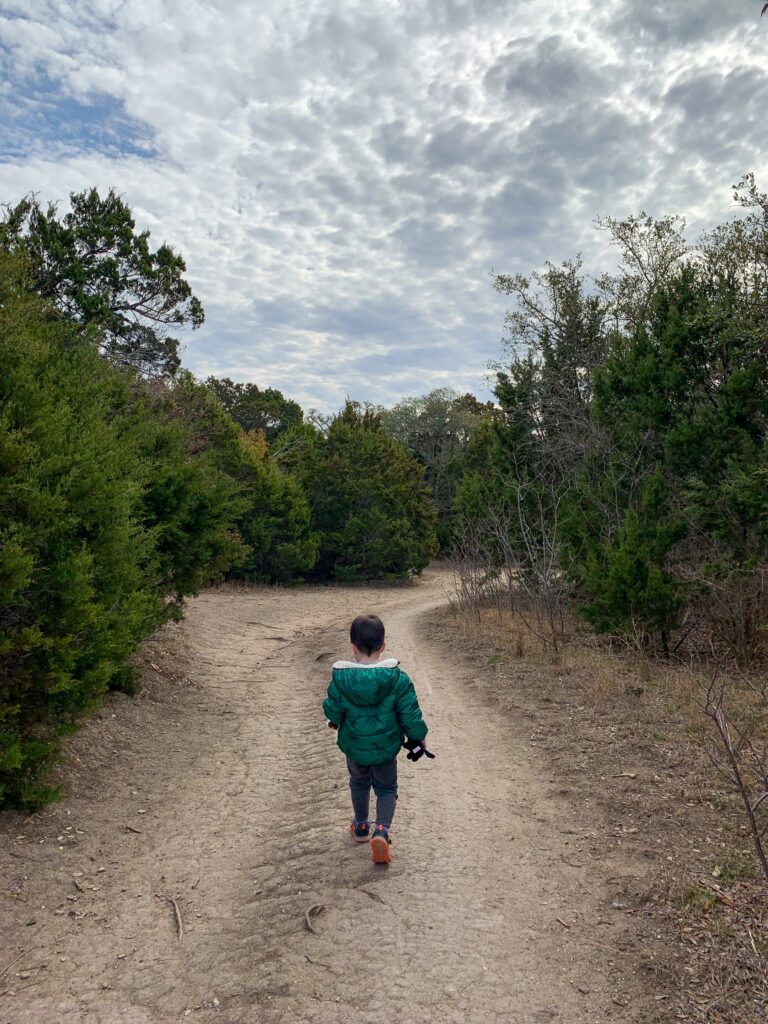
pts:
pixel 370 505
pixel 103 514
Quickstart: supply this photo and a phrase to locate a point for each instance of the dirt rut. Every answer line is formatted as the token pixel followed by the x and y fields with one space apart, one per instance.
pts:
pixel 223 790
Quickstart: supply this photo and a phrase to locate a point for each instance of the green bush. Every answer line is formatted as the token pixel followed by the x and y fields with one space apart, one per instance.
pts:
pixel 276 525
pixel 269 511
pixel 370 506
pixel 103 515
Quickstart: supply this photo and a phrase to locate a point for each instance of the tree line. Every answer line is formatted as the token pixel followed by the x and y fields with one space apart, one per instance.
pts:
pixel 618 473
pixel 622 474
pixel 126 484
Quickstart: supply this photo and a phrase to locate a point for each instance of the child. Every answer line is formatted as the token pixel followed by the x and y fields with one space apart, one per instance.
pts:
pixel 373 705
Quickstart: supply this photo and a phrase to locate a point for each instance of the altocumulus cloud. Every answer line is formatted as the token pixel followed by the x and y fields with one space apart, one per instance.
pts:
pixel 342 176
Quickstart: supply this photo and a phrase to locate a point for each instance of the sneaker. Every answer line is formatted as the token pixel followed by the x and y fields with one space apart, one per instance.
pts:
pixel 380 846
pixel 360 831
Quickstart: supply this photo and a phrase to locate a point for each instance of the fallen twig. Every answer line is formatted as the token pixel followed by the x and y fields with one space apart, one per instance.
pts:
pixel 562 922
pixel 717 892
pixel 626 775
pixel 130 828
pixel 313 911
pixel 317 963
pixel 176 912
pixel 256 622
pixel 10 965
pixel 374 896
pixel 20 988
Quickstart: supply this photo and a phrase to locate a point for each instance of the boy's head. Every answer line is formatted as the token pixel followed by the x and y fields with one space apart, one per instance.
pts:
pixel 367 634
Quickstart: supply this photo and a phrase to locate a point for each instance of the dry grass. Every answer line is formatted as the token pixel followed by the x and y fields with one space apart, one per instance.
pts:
pixel 607 714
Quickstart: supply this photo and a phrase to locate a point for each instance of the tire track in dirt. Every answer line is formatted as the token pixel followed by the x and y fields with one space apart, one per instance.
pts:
pixel 246 808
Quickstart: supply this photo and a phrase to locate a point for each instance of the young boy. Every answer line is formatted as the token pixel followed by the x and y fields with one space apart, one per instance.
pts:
pixel 373 705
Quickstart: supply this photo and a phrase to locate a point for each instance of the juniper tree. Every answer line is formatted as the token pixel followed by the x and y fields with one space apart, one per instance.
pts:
pixel 97 270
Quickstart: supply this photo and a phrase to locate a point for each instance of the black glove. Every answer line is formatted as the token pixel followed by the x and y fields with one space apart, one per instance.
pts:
pixel 415 749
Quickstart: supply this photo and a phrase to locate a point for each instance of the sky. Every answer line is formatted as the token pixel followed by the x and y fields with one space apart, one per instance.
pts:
pixel 343 178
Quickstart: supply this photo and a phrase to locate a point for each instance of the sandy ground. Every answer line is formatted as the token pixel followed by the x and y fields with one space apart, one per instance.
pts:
pixel 222 788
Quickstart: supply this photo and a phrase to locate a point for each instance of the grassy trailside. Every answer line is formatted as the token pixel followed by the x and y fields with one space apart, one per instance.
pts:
pixel 625 738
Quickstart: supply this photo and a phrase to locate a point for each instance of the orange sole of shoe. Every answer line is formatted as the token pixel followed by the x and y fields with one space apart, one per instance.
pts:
pixel 380 851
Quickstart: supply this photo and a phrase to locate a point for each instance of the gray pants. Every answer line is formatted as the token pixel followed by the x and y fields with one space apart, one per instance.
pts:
pixel 383 778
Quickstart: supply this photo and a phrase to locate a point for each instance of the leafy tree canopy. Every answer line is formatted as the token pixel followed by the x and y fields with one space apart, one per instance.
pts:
pixel 436 426
pixel 253 408
pixel 370 505
pixel 640 399
pixel 437 429
pixel 97 270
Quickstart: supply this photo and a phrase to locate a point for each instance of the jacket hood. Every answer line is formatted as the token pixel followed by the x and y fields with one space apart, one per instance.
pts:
pixel 366 684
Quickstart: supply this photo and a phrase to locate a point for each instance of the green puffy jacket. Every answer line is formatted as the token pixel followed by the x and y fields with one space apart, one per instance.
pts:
pixel 375 707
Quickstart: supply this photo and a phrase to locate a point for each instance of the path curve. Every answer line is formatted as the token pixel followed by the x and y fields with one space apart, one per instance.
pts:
pixel 226 793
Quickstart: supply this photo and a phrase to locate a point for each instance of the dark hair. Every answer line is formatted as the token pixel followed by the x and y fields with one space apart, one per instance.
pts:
pixel 367 633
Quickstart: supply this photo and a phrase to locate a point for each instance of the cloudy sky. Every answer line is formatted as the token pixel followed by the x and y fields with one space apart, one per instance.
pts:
pixel 342 176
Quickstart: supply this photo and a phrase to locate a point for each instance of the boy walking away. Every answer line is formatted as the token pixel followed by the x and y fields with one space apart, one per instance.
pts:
pixel 373 705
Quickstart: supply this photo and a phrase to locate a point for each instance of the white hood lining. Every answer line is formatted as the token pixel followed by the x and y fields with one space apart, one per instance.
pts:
pixel 386 663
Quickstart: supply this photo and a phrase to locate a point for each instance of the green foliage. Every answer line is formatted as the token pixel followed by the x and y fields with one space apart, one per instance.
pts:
pixel 370 506
pixel 98 271
pixel 275 521
pixel 633 412
pixel 626 588
pixel 686 399
pixel 252 408
pixel 103 516
pixel 267 508
pixel 190 500
pixel 437 428
pixel 72 555
pixel 277 527
pixel 126 485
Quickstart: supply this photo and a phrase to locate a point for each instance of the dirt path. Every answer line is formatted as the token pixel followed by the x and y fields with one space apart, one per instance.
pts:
pixel 223 789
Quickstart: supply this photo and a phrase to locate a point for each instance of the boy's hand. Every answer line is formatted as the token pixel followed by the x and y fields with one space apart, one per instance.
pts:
pixel 332 725
pixel 416 749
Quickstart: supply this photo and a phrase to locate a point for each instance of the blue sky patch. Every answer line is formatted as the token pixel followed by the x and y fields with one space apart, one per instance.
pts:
pixel 37 118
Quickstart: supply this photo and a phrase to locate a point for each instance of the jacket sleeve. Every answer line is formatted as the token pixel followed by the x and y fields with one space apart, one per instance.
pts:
pixel 408 710
pixel 332 708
